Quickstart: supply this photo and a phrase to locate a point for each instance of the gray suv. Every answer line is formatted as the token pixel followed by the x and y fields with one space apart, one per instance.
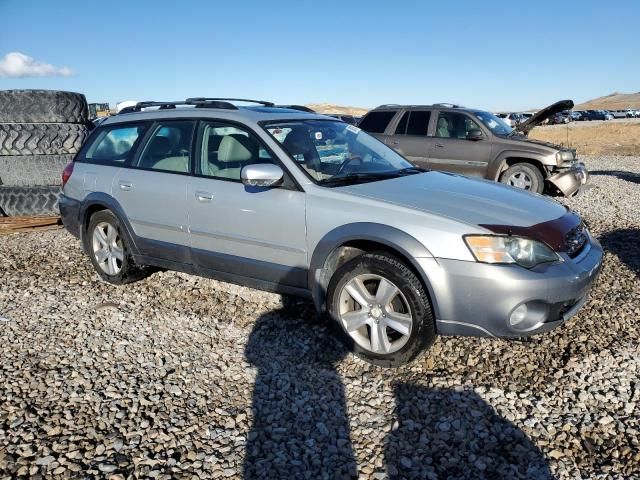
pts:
pixel 300 203
pixel 477 143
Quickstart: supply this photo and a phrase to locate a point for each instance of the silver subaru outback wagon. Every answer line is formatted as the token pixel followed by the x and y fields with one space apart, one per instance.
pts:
pixel 300 203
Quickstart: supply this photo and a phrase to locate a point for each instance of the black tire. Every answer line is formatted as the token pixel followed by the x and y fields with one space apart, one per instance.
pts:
pixel 422 333
pixel 42 106
pixel 41 138
pixel 32 170
pixel 129 271
pixel 26 201
pixel 530 172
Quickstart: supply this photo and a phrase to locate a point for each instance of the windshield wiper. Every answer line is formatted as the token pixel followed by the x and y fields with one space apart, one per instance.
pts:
pixel 355 177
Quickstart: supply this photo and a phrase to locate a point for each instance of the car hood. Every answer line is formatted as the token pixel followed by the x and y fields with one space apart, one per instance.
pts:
pixel 470 201
pixel 542 115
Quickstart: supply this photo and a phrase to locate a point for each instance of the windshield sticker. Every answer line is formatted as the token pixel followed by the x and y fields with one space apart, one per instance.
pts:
pixel 318 135
pixel 353 128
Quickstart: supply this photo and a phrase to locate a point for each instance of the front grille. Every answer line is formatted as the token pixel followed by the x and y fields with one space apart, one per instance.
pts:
pixel 575 240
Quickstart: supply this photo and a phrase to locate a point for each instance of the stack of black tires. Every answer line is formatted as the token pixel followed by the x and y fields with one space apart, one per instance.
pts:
pixel 40 132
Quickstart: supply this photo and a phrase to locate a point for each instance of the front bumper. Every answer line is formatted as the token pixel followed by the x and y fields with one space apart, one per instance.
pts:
pixel 480 299
pixel 571 179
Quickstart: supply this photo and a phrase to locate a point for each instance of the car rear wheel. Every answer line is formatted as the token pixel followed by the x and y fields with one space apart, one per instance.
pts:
pixel 524 176
pixel 381 310
pixel 108 249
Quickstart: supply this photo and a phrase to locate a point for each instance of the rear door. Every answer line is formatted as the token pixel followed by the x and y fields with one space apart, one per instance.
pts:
pixel 452 150
pixel 152 191
pixel 376 123
pixel 410 137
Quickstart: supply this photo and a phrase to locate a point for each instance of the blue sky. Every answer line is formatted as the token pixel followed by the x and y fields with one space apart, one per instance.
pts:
pixel 497 55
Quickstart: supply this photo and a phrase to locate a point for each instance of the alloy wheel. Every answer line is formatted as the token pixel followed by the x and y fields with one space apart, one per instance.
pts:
pixel 520 180
pixel 375 313
pixel 107 248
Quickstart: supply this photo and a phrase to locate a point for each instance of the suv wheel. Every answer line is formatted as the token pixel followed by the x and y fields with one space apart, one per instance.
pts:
pixel 524 176
pixel 108 250
pixel 381 310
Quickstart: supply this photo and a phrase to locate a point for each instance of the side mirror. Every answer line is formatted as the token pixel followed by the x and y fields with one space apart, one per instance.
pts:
pixel 262 175
pixel 475 134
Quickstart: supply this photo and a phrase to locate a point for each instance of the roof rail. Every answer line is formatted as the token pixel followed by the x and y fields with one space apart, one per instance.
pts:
pixel 196 102
pixel 389 105
pixel 448 105
pixel 213 99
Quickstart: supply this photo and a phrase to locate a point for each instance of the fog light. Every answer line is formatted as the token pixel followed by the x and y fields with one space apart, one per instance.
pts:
pixel 518 315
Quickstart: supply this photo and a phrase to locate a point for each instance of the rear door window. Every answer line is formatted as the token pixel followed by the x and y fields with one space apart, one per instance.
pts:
pixel 418 123
pixel 115 145
pixel 169 147
pixel 376 122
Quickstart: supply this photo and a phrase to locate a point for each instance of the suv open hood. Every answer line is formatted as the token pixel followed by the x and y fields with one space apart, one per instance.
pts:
pixel 543 114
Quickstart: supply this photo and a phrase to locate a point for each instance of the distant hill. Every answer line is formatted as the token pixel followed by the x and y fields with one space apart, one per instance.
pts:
pixel 336 109
pixel 613 101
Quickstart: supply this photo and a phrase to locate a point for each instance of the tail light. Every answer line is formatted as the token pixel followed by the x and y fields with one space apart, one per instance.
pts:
pixel 66 173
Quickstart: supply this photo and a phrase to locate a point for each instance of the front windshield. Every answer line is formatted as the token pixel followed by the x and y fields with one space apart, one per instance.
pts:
pixel 330 152
pixel 493 123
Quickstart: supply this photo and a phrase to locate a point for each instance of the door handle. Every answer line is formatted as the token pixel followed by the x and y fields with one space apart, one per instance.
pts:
pixel 126 186
pixel 439 145
pixel 204 196
pixel 395 142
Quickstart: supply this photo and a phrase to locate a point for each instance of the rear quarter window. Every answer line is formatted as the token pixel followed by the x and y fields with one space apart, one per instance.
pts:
pixel 114 145
pixel 376 122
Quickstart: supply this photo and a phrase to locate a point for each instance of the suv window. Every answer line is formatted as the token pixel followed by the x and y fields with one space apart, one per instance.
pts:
pixel 418 122
pixel 454 125
pixel 169 147
pixel 227 149
pixel 114 145
pixel 376 122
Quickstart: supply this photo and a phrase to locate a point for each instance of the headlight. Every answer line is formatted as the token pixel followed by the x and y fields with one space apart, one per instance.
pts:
pixel 507 249
pixel 565 156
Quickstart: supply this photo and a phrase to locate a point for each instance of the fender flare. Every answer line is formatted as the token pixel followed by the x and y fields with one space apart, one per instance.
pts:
pixel 391 237
pixel 109 203
pixel 501 160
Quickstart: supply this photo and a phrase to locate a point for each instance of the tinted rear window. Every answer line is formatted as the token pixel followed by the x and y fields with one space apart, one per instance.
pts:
pixel 376 122
pixel 418 123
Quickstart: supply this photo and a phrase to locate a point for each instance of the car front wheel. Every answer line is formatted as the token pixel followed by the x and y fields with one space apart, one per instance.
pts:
pixel 524 176
pixel 381 310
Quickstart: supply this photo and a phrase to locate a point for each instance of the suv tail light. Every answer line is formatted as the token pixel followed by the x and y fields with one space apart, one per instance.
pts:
pixel 66 173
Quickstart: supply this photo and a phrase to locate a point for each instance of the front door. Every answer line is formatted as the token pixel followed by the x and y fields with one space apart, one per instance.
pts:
pixel 246 231
pixel 452 149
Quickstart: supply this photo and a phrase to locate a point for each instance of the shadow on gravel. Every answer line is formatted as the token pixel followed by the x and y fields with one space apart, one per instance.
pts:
pixel 621 174
pixel 301 427
pixel 449 434
pixel 624 244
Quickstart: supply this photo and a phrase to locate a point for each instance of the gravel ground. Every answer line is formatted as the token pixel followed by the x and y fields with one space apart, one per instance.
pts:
pixel 178 376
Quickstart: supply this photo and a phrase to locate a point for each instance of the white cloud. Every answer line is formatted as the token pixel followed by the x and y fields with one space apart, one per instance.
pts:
pixel 16 65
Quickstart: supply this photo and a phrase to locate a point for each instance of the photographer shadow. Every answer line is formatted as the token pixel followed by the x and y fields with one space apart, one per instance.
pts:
pixel 300 423
pixel 446 434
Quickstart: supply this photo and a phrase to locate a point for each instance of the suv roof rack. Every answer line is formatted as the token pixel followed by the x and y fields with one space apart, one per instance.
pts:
pixel 198 102
pixel 448 105
pixel 226 100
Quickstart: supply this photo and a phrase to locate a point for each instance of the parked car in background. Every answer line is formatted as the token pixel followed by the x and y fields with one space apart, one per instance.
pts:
pixel 511 119
pixel 299 203
pixel 560 118
pixel 477 143
pixel 618 113
pixel 630 113
pixel 608 115
pixel 576 116
pixel 595 115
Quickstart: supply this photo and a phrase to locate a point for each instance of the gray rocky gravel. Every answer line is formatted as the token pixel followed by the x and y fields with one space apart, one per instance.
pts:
pixel 182 377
